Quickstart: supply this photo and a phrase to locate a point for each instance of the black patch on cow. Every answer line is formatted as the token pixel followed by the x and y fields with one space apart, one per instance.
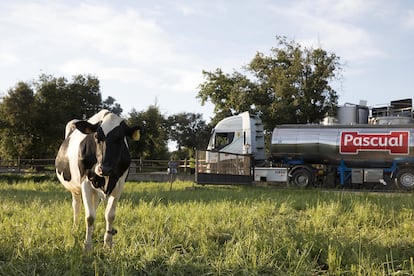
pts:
pixel 87 162
pixel 62 161
pixel 97 181
pixel 100 136
pixel 123 160
pixel 87 155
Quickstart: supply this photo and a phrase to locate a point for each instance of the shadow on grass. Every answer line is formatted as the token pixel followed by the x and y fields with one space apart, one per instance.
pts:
pixel 161 194
pixel 26 192
pixel 50 191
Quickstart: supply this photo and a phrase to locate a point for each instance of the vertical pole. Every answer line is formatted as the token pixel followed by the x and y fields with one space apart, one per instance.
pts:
pixel 196 167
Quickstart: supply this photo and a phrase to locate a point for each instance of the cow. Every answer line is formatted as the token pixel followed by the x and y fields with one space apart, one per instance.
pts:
pixel 92 163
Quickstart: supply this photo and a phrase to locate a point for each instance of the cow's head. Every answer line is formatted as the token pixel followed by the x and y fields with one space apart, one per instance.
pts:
pixel 110 139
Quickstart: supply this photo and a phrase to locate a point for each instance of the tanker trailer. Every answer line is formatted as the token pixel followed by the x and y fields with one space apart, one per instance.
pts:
pixel 348 153
pixel 351 151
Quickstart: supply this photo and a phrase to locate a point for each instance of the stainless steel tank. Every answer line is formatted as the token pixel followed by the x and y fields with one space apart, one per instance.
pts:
pixel 351 114
pixel 357 145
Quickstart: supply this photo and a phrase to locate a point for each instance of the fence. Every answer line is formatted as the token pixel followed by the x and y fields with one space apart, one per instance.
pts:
pixel 223 168
pixel 211 168
pixel 138 166
pixel 23 166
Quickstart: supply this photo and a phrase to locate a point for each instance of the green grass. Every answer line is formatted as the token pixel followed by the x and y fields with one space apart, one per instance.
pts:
pixel 210 230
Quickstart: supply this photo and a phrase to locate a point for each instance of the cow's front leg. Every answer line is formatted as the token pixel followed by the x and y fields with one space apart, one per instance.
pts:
pixel 110 217
pixel 110 210
pixel 91 202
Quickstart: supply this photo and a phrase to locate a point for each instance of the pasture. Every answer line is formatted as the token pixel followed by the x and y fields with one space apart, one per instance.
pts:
pixel 209 230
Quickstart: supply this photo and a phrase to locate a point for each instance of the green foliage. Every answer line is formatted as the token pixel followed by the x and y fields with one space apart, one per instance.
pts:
pixel 112 106
pixel 229 93
pixel 289 86
pixel 210 231
pixel 59 101
pixel 34 115
pixel 189 131
pixel 17 138
pixel 153 141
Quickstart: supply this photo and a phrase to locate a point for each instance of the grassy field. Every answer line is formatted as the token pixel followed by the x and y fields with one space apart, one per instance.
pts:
pixel 209 231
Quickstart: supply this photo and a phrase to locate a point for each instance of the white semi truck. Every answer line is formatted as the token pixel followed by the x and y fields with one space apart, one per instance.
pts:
pixel 362 145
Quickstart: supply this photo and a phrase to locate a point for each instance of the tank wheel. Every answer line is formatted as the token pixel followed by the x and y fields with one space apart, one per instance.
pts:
pixel 405 179
pixel 301 178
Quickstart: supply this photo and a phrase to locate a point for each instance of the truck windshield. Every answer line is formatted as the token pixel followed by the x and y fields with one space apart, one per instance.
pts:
pixel 223 139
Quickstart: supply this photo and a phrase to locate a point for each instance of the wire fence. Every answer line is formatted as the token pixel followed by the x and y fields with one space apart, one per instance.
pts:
pixel 223 168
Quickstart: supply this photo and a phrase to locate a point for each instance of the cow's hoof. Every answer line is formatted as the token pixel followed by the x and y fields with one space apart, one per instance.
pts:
pixel 112 232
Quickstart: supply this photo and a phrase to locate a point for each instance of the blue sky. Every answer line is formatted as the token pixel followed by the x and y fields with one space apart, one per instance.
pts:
pixel 153 52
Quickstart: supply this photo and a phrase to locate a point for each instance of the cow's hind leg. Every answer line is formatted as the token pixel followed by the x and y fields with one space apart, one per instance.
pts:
pixel 76 204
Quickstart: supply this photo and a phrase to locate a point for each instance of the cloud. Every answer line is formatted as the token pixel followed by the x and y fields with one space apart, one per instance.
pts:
pixel 182 80
pixel 341 10
pixel 330 24
pixel 408 19
pixel 188 9
pixel 96 29
pixel 7 58
pixel 123 34
pixel 115 44
pixel 125 47
pixel 161 47
pixel 86 65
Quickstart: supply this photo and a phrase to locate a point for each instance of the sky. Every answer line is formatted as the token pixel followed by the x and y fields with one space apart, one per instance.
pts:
pixel 153 52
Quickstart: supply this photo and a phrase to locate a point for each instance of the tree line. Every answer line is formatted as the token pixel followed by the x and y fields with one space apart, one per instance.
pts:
pixel 33 116
pixel 291 85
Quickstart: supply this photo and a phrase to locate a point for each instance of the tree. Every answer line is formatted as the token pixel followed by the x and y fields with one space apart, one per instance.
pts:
pixel 289 86
pixel 189 131
pixel 18 136
pixel 230 94
pixel 110 104
pixel 34 115
pixel 294 84
pixel 59 101
pixel 153 141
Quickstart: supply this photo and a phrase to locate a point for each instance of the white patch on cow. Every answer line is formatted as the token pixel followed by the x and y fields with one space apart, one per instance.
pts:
pixel 110 122
pixel 74 185
pixel 98 117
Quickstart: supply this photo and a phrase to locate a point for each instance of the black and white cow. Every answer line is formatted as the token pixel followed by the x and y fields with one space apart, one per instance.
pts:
pixel 93 163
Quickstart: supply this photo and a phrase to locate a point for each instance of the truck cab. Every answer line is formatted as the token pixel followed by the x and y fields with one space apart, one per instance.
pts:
pixel 239 134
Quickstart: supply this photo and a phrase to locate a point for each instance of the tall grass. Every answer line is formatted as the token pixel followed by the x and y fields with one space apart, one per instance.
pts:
pixel 209 231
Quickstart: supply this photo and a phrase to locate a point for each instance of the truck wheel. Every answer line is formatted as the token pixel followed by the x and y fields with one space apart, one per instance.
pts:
pixel 301 178
pixel 405 179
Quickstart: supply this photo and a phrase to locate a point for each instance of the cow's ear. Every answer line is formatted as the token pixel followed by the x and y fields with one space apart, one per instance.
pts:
pixel 134 132
pixel 86 127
